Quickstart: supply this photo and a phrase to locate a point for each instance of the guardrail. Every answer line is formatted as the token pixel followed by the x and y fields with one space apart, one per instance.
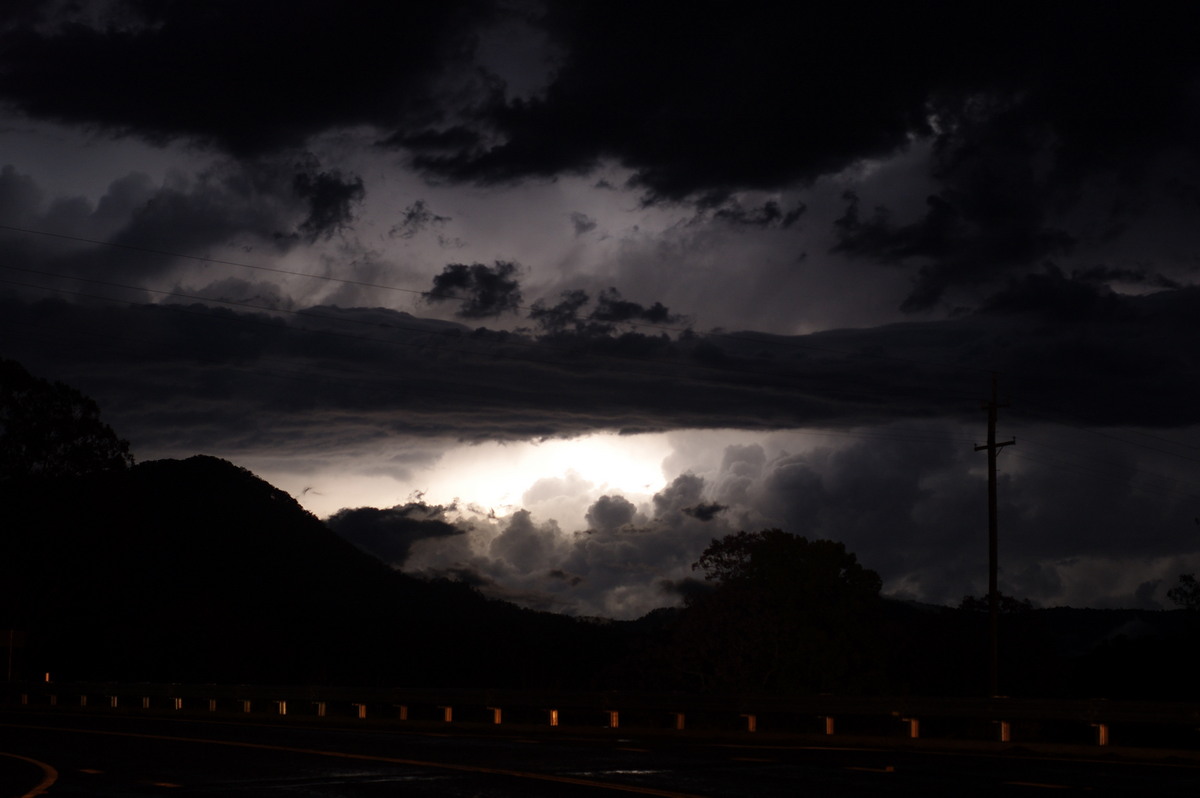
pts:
pixel 1095 722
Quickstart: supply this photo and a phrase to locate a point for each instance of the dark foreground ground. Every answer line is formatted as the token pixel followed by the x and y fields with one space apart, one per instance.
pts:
pixel 76 754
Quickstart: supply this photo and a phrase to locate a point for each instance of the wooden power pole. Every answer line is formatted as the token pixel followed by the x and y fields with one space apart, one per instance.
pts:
pixel 993 448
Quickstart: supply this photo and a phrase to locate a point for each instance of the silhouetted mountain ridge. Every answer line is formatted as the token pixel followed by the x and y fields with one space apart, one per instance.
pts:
pixel 199 570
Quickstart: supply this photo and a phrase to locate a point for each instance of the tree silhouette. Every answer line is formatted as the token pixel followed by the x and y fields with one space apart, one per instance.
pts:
pixel 1187 593
pixel 1007 605
pixel 52 430
pixel 786 615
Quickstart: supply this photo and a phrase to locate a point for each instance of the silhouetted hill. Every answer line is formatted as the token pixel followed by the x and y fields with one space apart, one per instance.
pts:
pixel 196 570
pixel 1060 652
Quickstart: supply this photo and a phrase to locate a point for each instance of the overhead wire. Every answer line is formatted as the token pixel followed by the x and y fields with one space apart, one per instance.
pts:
pixel 1058 416
pixel 1108 469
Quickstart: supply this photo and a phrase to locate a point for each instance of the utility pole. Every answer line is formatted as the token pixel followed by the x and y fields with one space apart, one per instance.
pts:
pixel 993 448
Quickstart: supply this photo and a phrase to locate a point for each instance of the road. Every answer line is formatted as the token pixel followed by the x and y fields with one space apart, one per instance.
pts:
pixel 69 755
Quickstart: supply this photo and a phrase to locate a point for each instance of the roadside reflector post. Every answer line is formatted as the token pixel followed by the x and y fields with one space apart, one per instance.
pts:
pixel 282 707
pixel 679 720
pixel 1005 731
pixel 112 701
pixel 83 701
pixel 1101 733
pixel 553 717
pixel 362 710
pixel 178 702
pixel 828 724
pixel 212 705
pixel 245 705
pixel 403 708
pixel 614 719
pixel 495 715
pixel 751 722
pixel 320 708
pixel 914 727
pixel 447 714
pixel 145 702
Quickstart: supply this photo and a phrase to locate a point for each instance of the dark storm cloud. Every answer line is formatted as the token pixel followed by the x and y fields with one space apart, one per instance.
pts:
pixel 705 511
pixel 582 223
pixel 240 292
pixel 19 196
pixel 1020 107
pixel 769 214
pixel 971 238
pixel 561 316
pixel 989 220
pixel 390 533
pixel 1141 277
pixel 610 312
pixel 700 100
pixel 331 198
pixel 610 512
pixel 526 545
pixel 1013 154
pixel 1065 349
pixel 248 78
pixel 415 219
pixel 907 498
pixel 902 504
pixel 685 489
pixel 1051 295
pixel 615 568
pixel 150 228
pixel 611 307
pixel 678 96
pixel 481 290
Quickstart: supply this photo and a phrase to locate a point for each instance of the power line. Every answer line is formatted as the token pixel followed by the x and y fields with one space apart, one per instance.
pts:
pixel 1093 461
pixel 1064 465
pixel 1055 417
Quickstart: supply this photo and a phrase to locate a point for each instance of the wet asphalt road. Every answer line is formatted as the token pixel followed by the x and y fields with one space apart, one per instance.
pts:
pixel 110 756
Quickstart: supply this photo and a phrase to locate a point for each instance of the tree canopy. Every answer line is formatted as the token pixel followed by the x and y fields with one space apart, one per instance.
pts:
pixel 786 614
pixel 786 564
pixel 1186 593
pixel 52 430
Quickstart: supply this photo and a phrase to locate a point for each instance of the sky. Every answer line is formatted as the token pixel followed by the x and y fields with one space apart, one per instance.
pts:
pixel 548 296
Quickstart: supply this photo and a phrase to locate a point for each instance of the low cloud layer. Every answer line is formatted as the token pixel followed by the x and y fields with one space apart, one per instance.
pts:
pixel 1066 351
